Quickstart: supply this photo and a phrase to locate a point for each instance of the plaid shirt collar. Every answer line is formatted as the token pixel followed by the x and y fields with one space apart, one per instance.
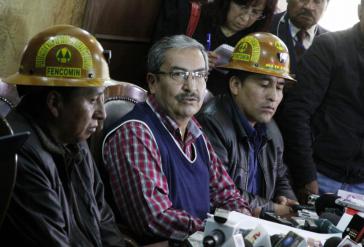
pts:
pixel 193 130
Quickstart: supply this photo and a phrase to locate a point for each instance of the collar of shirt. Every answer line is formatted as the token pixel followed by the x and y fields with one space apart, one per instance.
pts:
pixel 193 128
pixel 259 131
pixel 309 38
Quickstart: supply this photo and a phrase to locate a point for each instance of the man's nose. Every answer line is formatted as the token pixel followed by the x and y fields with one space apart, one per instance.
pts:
pixel 190 83
pixel 100 113
pixel 273 94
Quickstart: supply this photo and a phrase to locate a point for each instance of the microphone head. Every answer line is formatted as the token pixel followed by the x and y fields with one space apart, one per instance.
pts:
pixel 325 226
pixel 332 217
pixel 326 203
pixel 332 242
pixel 216 238
pixel 274 239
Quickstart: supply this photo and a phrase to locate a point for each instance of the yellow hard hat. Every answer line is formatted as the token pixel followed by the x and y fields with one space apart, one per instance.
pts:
pixel 62 55
pixel 262 53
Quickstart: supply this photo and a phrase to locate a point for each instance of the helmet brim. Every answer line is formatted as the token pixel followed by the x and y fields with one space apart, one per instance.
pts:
pixel 19 79
pixel 237 66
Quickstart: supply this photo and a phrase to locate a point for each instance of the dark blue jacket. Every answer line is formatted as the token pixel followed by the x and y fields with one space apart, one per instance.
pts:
pixel 322 121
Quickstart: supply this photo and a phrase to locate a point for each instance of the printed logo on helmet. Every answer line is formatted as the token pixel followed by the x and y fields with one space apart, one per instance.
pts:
pixel 247 50
pixel 279 45
pixel 64 55
pixel 61 51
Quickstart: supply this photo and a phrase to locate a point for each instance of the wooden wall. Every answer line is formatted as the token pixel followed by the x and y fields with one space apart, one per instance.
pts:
pixel 125 27
pixel 21 19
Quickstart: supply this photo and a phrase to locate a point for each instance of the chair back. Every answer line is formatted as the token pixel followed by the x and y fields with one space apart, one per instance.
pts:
pixel 8 98
pixel 119 100
pixel 9 144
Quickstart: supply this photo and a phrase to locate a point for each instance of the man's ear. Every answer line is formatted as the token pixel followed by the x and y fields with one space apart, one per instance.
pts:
pixel 54 103
pixel 234 85
pixel 152 81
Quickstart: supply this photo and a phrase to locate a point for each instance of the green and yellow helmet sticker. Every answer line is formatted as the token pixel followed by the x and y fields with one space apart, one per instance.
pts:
pixel 248 50
pixel 64 56
pixel 279 45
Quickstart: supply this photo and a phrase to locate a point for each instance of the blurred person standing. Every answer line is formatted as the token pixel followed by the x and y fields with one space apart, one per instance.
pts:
pixel 322 120
pixel 298 26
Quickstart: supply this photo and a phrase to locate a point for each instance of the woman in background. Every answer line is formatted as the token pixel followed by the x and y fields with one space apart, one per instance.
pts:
pixel 226 22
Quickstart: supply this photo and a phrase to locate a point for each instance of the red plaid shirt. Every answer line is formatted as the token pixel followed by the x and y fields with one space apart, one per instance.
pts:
pixel 140 188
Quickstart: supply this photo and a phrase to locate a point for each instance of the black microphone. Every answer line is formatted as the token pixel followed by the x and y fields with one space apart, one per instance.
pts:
pixel 325 226
pixel 214 239
pixel 326 203
pixel 275 238
pixel 332 242
pixel 332 217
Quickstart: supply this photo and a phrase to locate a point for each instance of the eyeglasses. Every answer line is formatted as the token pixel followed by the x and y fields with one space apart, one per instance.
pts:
pixel 251 12
pixel 181 76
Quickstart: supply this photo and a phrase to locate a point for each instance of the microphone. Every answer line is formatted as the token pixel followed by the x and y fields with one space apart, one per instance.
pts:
pixel 338 242
pixel 258 237
pixel 333 218
pixel 332 242
pixel 215 238
pixel 327 203
pixel 325 226
pixel 274 239
pixel 292 239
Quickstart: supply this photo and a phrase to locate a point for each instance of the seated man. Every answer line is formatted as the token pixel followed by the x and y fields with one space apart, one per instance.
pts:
pixel 239 123
pixel 163 171
pixel 58 198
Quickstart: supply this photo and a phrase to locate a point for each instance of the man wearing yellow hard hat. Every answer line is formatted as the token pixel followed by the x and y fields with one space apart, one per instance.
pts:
pixel 58 197
pixel 239 123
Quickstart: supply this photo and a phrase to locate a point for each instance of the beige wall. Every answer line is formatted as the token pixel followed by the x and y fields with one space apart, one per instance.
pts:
pixel 21 19
pixel 281 6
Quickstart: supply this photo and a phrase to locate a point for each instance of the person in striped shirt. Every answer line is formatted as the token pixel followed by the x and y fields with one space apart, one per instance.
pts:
pixel 164 173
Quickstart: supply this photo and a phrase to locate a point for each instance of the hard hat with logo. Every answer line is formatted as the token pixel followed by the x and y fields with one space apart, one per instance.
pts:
pixel 262 53
pixel 63 55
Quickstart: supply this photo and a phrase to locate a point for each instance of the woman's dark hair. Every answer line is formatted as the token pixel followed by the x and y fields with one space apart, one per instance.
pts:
pixel 217 12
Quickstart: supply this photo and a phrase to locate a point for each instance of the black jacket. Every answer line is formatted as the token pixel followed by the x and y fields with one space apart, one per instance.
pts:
pixel 280 28
pixel 323 118
pixel 221 124
pixel 58 198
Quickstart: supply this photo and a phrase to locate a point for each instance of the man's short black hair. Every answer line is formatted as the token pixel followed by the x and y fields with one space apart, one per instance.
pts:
pixel 240 73
pixel 34 98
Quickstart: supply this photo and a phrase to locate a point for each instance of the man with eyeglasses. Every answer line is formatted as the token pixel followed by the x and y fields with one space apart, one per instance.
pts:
pixel 164 173
pixel 298 27
pixel 239 125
